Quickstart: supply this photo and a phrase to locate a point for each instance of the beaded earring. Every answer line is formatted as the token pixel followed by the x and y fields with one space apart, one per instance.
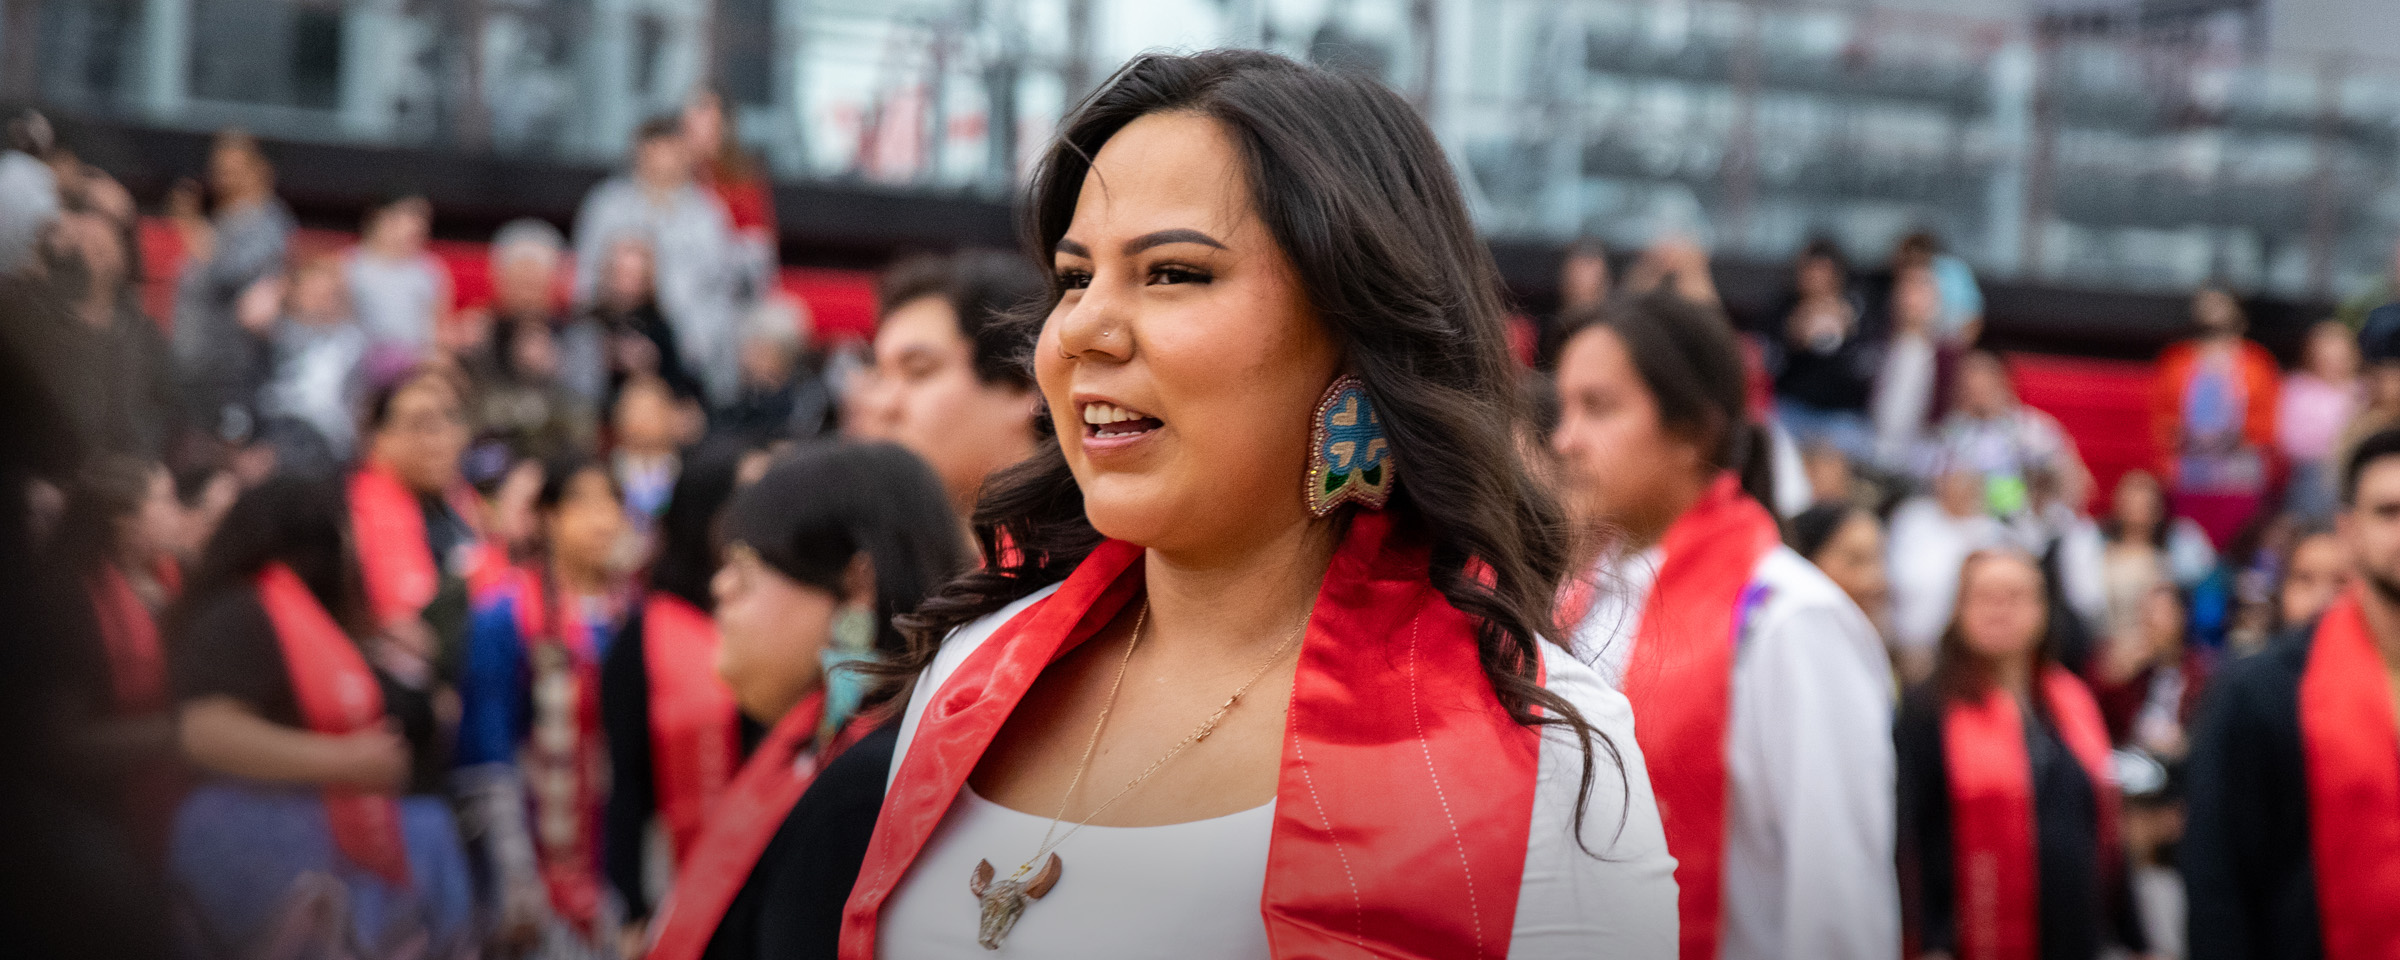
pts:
pixel 1349 459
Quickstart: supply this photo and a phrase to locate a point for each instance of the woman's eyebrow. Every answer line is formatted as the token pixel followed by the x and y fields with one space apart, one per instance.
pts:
pixel 1073 249
pixel 1162 237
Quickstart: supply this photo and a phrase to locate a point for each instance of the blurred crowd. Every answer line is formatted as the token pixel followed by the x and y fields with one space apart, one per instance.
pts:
pixel 523 485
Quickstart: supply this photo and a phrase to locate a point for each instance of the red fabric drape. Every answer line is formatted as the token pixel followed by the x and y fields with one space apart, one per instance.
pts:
pixel 337 695
pixel 695 733
pixel 2350 743
pixel 1992 812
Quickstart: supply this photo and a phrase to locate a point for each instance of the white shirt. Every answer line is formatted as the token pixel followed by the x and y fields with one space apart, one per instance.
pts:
pixel 1809 768
pixel 1570 904
pixel 1928 546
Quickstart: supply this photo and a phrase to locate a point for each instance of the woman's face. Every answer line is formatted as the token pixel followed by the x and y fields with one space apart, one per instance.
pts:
pixel 1624 468
pixel 1820 277
pixel 509 514
pixel 774 632
pixel 156 525
pixel 2162 621
pixel 587 522
pixel 2318 572
pixel 422 436
pixel 2332 352
pixel 704 124
pixel 2138 502
pixel 627 282
pixel 1184 361
pixel 926 396
pixel 1853 559
pixel 2000 607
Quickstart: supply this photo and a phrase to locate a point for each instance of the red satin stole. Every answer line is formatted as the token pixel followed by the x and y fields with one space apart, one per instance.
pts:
pixel 2351 749
pixel 1680 680
pixel 388 524
pixel 137 664
pixel 1405 792
pixel 695 735
pixel 742 824
pixel 1996 859
pixel 337 695
pixel 563 769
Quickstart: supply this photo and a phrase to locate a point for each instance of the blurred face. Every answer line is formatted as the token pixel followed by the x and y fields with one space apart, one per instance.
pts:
pixel 237 173
pixel 320 294
pixel 527 284
pixel 1983 389
pixel 2332 352
pixel 2000 607
pixel 534 351
pixel 402 227
pixel 1583 279
pixel 2317 573
pixel 774 632
pixel 628 279
pixel 584 527
pixel 2383 386
pixel 1916 298
pixel 2217 313
pixel 1183 364
pixel 509 515
pixel 1623 467
pixel 1819 277
pixel 423 434
pixel 646 418
pixel 2370 528
pixel 2138 503
pixel 1853 559
pixel 1960 492
pixel 156 526
pixel 704 125
pixel 766 361
pixel 661 162
pixel 2162 622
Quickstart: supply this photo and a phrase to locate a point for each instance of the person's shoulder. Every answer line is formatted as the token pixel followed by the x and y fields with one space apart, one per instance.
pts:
pixel 233 613
pixel 970 636
pixel 1581 686
pixel 2273 671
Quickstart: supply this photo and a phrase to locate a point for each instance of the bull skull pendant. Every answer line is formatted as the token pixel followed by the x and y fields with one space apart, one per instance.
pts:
pixel 1003 901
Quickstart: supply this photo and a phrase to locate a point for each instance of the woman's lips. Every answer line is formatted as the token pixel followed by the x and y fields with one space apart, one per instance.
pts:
pixel 1109 428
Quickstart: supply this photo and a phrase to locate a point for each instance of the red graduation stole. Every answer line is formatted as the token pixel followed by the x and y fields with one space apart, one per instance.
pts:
pixel 337 695
pixel 695 737
pixel 1407 791
pixel 1680 680
pixel 563 768
pixel 742 824
pixel 1991 810
pixel 137 665
pixel 388 525
pixel 2351 750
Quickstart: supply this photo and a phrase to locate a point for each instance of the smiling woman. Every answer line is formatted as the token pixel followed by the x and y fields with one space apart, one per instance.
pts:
pixel 1243 726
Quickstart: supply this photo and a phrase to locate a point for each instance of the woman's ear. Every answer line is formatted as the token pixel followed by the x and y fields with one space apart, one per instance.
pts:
pixel 858 581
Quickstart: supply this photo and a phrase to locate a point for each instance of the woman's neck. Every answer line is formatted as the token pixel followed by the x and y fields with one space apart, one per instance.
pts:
pixel 579 579
pixel 1650 529
pixel 1246 598
pixel 2015 675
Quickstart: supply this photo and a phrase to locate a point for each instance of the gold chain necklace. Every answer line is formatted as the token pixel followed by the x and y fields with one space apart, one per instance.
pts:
pixel 1003 901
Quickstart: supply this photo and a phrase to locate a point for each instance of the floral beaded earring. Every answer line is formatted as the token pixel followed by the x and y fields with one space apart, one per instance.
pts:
pixel 1349 459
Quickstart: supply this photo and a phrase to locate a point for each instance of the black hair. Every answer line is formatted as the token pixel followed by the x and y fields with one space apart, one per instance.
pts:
pixel 379 400
pixel 558 480
pixel 301 523
pixel 2378 445
pixel 828 503
pixel 1359 197
pixel 1690 361
pixel 687 555
pixel 2112 528
pixel 1808 533
pixel 983 288
pixel 661 127
pixel 1825 248
pixel 108 490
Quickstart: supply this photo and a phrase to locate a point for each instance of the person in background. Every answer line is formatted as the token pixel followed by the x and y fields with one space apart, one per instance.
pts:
pixel 1903 402
pixel 2144 546
pixel 223 362
pixel 1675 262
pixel 781 397
pixel 321 827
pixel 526 258
pixel 1828 474
pixel 738 179
pixel 634 337
pixel 2008 443
pixel 2314 572
pixel 402 293
pixel 309 406
pixel 1778 807
pixel 2314 406
pixel 117 538
pixel 950 383
pixel 1584 279
pixel 1824 360
pixel 2290 845
pixel 2212 414
pixel 1931 535
pixel 1845 541
pixel 204 491
pixel 649 428
pixel 823 555
pixel 522 397
pixel 419 545
pixel 2149 681
pixel 2009 839
pixel 1958 321
pixel 698 269
pixel 532 756
pixel 29 190
pixel 107 362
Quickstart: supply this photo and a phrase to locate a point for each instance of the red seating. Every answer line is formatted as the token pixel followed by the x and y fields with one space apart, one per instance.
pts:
pixel 2103 404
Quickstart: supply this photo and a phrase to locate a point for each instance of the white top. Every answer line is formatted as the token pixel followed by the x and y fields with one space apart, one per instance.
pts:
pixel 1620 904
pixel 1928 546
pixel 1809 768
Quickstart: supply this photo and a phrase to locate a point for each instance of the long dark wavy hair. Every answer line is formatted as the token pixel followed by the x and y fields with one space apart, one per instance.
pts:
pixel 1960 673
pixel 1357 194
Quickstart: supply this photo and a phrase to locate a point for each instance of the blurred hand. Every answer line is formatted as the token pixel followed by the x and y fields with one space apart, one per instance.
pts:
pixel 259 305
pixel 373 759
pixel 634 940
pixel 183 201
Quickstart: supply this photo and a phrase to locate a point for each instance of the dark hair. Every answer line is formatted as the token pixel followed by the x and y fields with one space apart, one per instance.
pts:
pixel 1691 362
pixel 1960 673
pixel 983 288
pixel 558 480
pixel 2378 445
pixel 301 523
pixel 1808 533
pixel 687 555
pixel 106 491
pixel 379 400
pixel 1825 248
pixel 828 503
pixel 661 127
pixel 1357 194
pixel 2112 528
pixel 2301 535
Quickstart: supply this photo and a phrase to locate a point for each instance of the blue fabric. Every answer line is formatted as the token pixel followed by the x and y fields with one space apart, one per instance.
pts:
pixel 247 859
pixel 495 687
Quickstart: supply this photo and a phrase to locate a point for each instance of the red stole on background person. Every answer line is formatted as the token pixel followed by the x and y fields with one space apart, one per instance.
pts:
pixel 1407 791
pixel 742 824
pixel 137 664
pixel 388 524
pixel 1680 681
pixel 695 733
pixel 565 762
pixel 1995 857
pixel 337 695
pixel 2350 748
